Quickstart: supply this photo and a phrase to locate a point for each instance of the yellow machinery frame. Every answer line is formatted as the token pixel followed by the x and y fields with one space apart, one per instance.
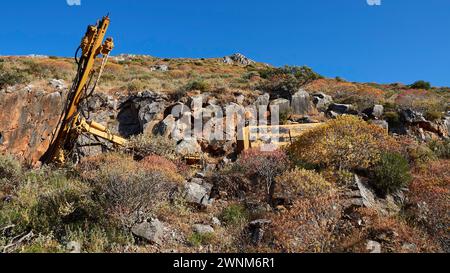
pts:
pixel 71 123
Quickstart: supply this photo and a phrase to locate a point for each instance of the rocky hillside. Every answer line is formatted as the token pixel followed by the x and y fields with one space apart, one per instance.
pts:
pixel 346 186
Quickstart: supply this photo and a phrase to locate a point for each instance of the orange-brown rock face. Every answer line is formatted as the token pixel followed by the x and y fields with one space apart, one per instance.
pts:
pixel 27 120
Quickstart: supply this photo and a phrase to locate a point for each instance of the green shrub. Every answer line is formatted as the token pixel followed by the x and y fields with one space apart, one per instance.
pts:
pixel 434 115
pixel 393 118
pixel 391 173
pixel 135 85
pixel 421 85
pixel 284 81
pixel 10 168
pixel 99 239
pixel 441 148
pixel 420 154
pixel 10 77
pixel 197 239
pixel 234 215
pixel 145 145
pixel 199 85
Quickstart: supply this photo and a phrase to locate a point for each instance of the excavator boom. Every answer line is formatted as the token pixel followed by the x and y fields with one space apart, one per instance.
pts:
pixel 71 124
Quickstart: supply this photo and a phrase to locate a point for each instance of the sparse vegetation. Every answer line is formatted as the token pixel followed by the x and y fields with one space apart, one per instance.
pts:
pixel 391 173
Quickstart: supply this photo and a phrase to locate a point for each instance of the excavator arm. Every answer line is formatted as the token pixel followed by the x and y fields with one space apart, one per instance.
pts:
pixel 72 124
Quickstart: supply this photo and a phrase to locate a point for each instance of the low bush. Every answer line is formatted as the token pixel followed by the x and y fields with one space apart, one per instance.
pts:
pixel 234 215
pixel 10 171
pixel 155 163
pixel 347 143
pixel 393 233
pixel 441 148
pixel 429 193
pixel 421 85
pixel 300 183
pixel 263 166
pixel 285 81
pixel 197 239
pixel 307 227
pixel 143 145
pixel 391 173
pixel 198 85
pixel 126 191
pixel 10 77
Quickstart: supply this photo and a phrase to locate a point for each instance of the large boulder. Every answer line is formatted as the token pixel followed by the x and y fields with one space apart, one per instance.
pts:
pixel 336 109
pixel 165 127
pixel 197 193
pixel 301 103
pixel 138 111
pixel 374 112
pixel 202 229
pixel 411 116
pixel 283 105
pixel 151 232
pixel 263 100
pixel 322 101
pixel 188 146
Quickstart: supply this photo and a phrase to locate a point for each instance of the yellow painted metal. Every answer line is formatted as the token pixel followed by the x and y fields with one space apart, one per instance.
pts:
pixel 98 130
pixel 71 124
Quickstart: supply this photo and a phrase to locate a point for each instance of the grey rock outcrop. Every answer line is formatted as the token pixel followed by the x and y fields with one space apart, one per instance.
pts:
pixel 301 103
pixel 283 105
pixel 238 59
pixel 322 101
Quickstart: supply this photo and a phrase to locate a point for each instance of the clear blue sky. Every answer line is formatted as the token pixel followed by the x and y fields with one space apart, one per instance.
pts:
pixel 399 41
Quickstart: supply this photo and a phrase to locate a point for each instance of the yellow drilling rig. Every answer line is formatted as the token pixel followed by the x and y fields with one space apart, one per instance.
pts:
pixel 72 122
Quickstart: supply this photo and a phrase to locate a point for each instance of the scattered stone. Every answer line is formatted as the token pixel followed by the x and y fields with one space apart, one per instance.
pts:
pixel 161 67
pixel 197 194
pixel 373 247
pixel 58 84
pixel 216 222
pixel 257 229
pixel 203 229
pixel 150 231
pixel 73 247
pixel 409 248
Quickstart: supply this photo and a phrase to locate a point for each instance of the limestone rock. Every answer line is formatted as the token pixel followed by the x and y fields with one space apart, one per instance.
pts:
pixel 301 103
pixel 202 229
pixel 150 231
pixel 283 105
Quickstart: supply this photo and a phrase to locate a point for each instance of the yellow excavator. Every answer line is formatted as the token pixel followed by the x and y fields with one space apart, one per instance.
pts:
pixel 72 122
